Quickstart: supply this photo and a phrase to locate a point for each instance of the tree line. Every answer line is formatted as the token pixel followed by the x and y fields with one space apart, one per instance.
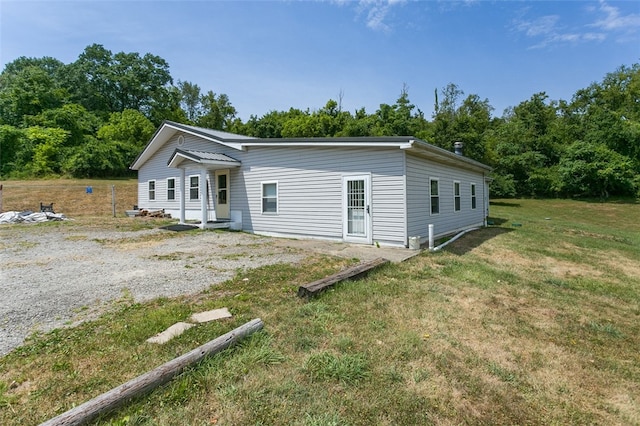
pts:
pixel 92 117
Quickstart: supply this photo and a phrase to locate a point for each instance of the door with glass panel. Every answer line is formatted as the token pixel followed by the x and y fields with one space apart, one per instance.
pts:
pixel 356 200
pixel 222 194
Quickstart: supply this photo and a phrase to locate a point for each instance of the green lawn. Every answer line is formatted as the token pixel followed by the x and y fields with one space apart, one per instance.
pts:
pixel 534 320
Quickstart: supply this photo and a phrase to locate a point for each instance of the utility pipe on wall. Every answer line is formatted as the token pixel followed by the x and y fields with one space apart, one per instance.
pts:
pixel 452 239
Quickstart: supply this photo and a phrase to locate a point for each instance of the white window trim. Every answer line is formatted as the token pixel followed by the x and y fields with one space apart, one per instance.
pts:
pixel 171 189
pixel 459 196
pixel 431 213
pixel 474 195
pixel 270 182
pixel 149 190
pixel 190 187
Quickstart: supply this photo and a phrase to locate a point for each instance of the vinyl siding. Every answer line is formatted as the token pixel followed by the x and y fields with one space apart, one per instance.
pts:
pixel 156 168
pixel 310 190
pixel 419 171
pixel 309 187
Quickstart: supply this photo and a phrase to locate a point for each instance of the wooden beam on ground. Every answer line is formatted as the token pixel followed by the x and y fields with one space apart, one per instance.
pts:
pixel 357 271
pixel 142 384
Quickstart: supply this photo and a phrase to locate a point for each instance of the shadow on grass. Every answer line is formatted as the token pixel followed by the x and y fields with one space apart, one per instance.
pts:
pixel 504 204
pixel 474 239
pixel 496 220
pixel 610 200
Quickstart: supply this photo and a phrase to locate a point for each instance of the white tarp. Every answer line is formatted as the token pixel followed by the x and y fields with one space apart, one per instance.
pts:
pixel 30 217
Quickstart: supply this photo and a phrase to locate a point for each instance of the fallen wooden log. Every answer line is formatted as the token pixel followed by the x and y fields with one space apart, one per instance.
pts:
pixel 357 271
pixel 154 378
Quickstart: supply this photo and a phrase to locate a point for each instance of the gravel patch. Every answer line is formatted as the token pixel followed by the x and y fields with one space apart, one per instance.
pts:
pixel 53 277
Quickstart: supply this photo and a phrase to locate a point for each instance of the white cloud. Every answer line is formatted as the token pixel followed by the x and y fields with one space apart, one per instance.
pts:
pixel 376 12
pixel 613 20
pixel 541 26
pixel 548 30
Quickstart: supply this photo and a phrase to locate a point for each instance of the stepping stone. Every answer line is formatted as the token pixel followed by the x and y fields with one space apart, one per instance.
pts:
pixel 171 332
pixel 211 315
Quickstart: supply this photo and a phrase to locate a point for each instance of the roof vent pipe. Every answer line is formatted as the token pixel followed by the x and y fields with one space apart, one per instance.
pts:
pixel 457 146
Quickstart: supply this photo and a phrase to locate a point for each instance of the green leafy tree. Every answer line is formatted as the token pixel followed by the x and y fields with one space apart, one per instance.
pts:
pixel 190 100
pixel 361 124
pixel 73 118
pixel 443 130
pixel 523 147
pixel 41 154
pixel 26 92
pixel 269 125
pixel 11 141
pixel 128 131
pixel 471 123
pixel 166 106
pixel 97 159
pixel 104 82
pixel 326 122
pixel 217 111
pixel 593 169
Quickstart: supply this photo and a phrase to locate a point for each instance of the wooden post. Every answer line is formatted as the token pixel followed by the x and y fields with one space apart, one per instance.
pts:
pixel 354 272
pixel 1 198
pixel 113 199
pixel 154 378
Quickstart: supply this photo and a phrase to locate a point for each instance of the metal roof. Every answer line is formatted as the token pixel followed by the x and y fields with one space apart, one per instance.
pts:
pixel 201 157
pixel 240 142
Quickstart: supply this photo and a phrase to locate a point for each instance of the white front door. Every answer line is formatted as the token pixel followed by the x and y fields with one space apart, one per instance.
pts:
pixel 356 202
pixel 222 194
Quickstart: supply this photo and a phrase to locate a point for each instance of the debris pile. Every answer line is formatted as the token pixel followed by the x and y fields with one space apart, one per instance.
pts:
pixel 30 217
pixel 148 213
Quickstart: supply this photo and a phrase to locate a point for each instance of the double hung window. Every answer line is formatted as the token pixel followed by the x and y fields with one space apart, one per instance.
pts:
pixel 270 197
pixel 434 192
pixel 171 189
pixel 194 187
pixel 152 190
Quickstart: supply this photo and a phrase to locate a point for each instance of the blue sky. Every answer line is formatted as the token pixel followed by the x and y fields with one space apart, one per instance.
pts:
pixel 273 55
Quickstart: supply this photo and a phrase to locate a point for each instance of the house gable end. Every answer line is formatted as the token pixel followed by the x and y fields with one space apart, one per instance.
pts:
pixel 168 129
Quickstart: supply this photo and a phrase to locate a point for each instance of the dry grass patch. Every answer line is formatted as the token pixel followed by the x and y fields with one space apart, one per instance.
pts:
pixel 70 196
pixel 505 326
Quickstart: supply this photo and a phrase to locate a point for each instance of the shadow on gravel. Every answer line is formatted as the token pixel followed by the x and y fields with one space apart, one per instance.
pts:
pixel 179 227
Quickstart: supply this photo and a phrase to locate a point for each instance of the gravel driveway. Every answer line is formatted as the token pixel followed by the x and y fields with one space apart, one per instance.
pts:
pixel 53 276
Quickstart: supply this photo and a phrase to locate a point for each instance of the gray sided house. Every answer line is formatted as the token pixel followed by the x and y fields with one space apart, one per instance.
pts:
pixel 368 190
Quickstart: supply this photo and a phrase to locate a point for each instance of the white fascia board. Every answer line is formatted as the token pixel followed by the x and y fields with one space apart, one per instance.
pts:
pixel 159 139
pixel 179 159
pixel 442 155
pixel 234 145
pixel 226 164
pixel 323 144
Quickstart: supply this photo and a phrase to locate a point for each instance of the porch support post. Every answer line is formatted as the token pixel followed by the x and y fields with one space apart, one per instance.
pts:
pixel 203 198
pixel 182 185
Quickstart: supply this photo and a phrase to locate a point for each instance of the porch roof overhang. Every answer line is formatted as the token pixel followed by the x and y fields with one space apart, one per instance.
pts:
pixel 209 160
